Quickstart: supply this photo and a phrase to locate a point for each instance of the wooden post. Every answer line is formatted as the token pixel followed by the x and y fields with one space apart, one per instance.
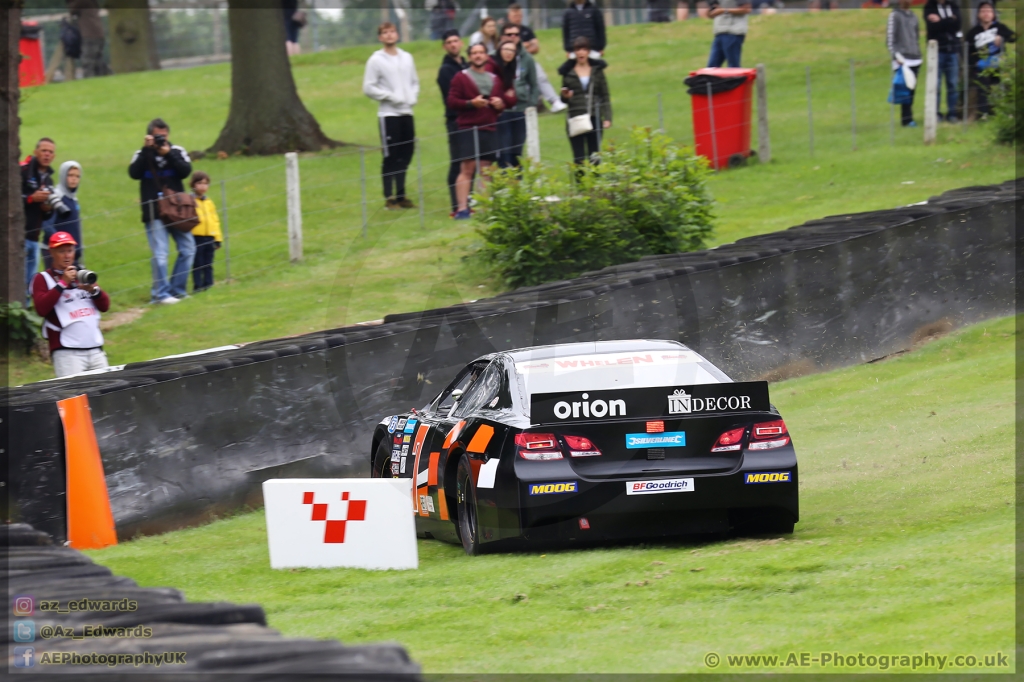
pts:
pixel 532 135
pixel 810 113
pixel 764 145
pixel 227 233
pixel 931 88
pixel 291 173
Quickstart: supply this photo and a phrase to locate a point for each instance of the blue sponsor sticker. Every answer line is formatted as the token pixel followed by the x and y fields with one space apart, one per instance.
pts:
pixel 553 488
pixel 410 426
pixel 669 439
pixel 768 477
pixel 393 424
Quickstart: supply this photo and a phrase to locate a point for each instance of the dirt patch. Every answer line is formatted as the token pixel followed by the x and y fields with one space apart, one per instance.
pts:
pixel 930 332
pixel 120 318
pixel 790 370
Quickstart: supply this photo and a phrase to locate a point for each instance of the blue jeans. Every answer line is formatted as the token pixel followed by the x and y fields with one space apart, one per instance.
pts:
pixel 31 264
pixel 949 69
pixel 511 137
pixel 159 244
pixel 726 47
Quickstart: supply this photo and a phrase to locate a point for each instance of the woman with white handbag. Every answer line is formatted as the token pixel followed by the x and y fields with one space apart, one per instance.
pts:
pixel 585 90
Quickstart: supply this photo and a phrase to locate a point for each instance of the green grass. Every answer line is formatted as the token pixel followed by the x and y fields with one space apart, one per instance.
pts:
pixel 401 266
pixel 905 545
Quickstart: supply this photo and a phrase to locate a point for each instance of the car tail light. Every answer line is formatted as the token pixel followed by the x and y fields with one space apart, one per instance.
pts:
pixel 580 446
pixel 538 447
pixel 729 441
pixel 656 427
pixel 769 435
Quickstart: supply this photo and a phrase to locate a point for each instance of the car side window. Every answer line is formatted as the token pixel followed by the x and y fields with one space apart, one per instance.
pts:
pixel 486 389
pixel 463 382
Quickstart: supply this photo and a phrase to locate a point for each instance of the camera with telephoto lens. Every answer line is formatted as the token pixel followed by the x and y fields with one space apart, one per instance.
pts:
pixel 159 140
pixel 86 277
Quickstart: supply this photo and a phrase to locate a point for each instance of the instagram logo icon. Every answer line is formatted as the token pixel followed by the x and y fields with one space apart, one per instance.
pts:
pixel 23 605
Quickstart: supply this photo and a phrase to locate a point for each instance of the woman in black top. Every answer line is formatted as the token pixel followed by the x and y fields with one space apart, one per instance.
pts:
pixel 585 90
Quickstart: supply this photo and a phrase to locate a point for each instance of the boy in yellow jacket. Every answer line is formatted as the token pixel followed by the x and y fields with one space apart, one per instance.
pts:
pixel 207 234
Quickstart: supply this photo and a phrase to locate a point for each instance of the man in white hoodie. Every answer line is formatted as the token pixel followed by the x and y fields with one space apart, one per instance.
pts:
pixel 391 79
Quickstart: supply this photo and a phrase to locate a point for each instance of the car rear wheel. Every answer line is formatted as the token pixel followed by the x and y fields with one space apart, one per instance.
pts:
pixel 382 462
pixel 465 501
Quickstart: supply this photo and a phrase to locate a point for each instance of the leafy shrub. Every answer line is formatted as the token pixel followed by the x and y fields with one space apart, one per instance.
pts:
pixel 1007 125
pixel 646 197
pixel 22 326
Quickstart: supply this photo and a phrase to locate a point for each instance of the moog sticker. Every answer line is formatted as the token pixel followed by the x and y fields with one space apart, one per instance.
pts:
pixel 768 477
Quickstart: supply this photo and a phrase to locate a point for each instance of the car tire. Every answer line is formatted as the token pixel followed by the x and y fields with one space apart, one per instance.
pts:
pixel 381 467
pixel 465 502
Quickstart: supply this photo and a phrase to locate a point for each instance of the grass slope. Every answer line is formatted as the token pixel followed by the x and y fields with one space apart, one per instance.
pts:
pixel 905 545
pixel 402 266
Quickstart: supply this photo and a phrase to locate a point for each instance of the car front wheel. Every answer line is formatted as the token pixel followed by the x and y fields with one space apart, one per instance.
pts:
pixel 465 499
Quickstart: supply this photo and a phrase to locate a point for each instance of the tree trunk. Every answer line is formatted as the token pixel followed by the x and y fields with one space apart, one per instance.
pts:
pixel 12 241
pixel 132 43
pixel 266 115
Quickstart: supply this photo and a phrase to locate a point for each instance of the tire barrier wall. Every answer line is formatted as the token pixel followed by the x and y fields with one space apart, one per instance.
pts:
pixel 186 438
pixel 216 638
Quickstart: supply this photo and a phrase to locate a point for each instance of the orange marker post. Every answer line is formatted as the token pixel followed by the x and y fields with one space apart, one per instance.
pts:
pixel 90 519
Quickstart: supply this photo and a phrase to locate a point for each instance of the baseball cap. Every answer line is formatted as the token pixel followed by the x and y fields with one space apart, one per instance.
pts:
pixel 60 238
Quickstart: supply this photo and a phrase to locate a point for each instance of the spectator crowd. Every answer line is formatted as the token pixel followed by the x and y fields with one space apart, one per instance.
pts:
pixel 487 84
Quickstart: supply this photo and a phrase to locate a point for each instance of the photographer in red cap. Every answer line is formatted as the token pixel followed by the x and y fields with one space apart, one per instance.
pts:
pixel 70 303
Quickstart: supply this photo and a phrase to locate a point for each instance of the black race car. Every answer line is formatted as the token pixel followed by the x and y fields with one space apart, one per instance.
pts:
pixel 586 442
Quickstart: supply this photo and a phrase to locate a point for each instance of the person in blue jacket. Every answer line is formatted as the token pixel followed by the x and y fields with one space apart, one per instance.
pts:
pixel 66 215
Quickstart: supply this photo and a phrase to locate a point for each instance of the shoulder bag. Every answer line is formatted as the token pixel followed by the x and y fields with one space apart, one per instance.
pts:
pixel 581 125
pixel 175 209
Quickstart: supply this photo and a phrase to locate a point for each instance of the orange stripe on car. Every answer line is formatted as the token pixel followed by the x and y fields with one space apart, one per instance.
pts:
pixel 417 445
pixel 453 434
pixel 432 468
pixel 481 439
pixel 442 505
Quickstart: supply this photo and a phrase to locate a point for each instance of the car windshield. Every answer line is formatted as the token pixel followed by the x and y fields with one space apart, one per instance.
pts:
pixel 642 369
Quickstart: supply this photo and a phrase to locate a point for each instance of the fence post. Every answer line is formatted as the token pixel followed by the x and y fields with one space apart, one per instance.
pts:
pixel 362 183
pixel 931 88
pixel 764 144
pixel 714 137
pixel 532 135
pixel 291 173
pixel 227 240
pixel 661 115
pixel 892 111
pixel 313 21
pixel 853 106
pixel 810 115
pixel 600 127
pixel 419 173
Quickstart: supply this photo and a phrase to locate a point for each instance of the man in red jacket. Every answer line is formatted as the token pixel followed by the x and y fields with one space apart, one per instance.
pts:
pixel 477 120
pixel 71 310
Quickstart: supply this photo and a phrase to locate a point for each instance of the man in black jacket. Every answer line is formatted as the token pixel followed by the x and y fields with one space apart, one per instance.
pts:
pixel 583 19
pixel 36 190
pixel 452 63
pixel 942 17
pixel 161 166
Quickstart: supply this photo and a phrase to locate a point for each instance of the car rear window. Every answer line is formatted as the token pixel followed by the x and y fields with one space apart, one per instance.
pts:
pixel 645 369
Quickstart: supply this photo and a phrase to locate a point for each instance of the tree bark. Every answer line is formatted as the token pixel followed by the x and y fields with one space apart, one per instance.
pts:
pixel 12 241
pixel 132 42
pixel 266 114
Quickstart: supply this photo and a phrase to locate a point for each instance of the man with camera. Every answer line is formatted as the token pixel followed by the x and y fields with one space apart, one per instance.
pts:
pixel 70 302
pixel 160 168
pixel 36 193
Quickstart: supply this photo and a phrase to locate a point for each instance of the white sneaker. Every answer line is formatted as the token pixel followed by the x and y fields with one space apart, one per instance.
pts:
pixel 169 300
pixel 558 105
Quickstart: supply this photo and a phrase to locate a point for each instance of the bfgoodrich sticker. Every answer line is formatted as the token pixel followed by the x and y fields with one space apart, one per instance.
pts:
pixel 675 485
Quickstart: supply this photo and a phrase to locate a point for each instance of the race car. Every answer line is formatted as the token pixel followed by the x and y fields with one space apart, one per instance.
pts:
pixel 584 443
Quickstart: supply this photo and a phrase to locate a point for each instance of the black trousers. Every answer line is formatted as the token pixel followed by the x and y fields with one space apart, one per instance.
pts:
pixel 456 163
pixel 587 144
pixel 398 142
pixel 202 264
pixel 907 110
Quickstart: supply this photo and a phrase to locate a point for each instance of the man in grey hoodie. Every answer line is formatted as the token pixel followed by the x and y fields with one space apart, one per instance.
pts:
pixel 903 39
pixel 391 79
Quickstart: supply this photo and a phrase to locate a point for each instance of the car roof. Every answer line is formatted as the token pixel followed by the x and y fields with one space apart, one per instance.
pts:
pixel 592 348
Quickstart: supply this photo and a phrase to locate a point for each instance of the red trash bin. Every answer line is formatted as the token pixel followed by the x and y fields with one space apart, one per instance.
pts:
pixel 721 122
pixel 31 70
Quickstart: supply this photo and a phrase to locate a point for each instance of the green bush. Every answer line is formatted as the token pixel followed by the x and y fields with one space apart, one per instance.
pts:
pixel 22 326
pixel 1007 125
pixel 648 196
